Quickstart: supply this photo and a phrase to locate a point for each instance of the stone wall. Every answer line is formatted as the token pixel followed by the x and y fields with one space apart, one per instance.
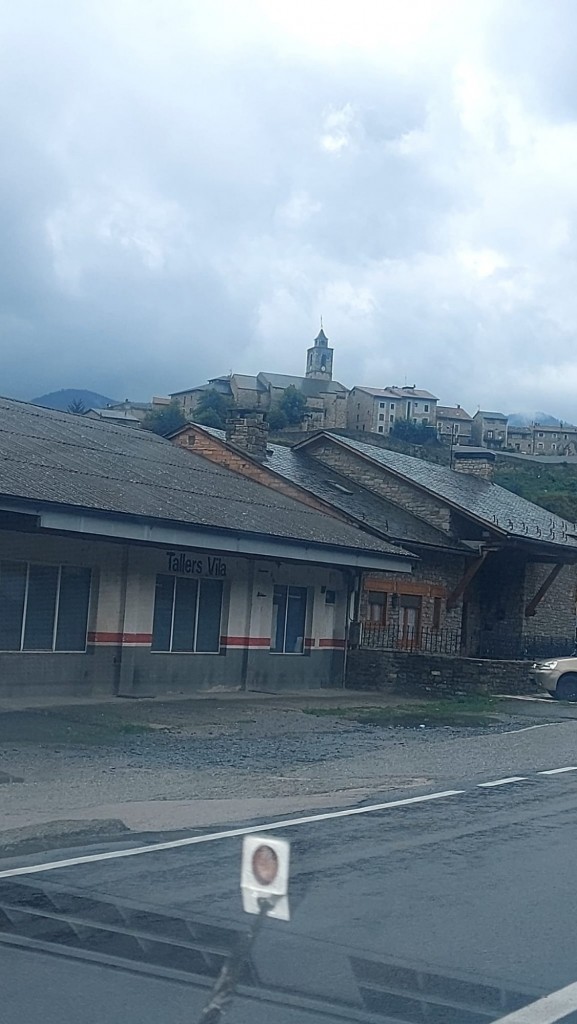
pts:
pixel 555 614
pixel 434 674
pixel 435 575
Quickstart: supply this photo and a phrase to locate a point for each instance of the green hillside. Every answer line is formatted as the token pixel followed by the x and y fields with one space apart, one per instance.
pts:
pixel 554 487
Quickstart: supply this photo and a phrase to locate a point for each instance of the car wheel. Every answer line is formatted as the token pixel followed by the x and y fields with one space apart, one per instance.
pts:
pixel 567 687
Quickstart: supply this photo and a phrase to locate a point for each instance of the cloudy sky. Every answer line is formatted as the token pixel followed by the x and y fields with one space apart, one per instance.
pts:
pixel 187 186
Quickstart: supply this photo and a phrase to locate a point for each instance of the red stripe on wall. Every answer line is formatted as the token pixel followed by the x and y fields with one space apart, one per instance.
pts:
pixel 245 641
pixel 332 642
pixel 120 638
pixel 309 641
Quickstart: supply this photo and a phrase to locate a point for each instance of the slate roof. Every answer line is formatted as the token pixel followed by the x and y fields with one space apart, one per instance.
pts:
pixel 485 501
pixel 372 509
pixel 394 392
pixel 56 457
pixel 114 415
pixel 220 384
pixel 308 385
pixel 451 412
pixel 407 392
pixel 248 383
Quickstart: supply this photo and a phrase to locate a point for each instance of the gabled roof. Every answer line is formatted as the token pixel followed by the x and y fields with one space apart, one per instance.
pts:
pixel 56 458
pixel 368 508
pixel 452 412
pixel 247 383
pixel 410 392
pixel 308 385
pixel 491 415
pixel 482 500
pixel 113 415
pixel 376 392
pixel 220 384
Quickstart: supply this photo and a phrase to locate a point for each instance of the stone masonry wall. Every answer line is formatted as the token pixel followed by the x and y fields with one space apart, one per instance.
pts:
pixel 555 614
pixel 381 481
pixel 400 672
pixel 434 575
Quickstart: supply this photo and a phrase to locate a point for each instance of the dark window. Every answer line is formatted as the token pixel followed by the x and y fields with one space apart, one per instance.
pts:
pixel 391 418
pixel 40 607
pixel 288 620
pixel 381 416
pixel 72 608
pixel 43 607
pixel 377 608
pixel 426 408
pixel 437 606
pixel 187 614
pixel 162 624
pixel 381 430
pixel 209 614
pixel 12 594
pixel 184 615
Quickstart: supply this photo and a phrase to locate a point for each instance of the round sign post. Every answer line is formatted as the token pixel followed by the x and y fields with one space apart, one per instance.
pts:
pixel 264 876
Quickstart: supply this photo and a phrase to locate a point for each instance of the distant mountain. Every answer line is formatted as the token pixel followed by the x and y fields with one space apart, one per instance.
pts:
pixel 523 419
pixel 62 399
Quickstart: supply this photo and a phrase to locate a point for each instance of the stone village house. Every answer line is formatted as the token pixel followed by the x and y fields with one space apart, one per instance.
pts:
pixel 495 576
pixel 131 567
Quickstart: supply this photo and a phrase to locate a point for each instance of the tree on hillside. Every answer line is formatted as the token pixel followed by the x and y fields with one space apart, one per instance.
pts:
pixel 289 410
pixel 76 407
pixel 213 409
pixel 164 420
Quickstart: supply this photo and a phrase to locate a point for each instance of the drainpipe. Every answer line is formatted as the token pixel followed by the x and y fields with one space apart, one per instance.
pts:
pixel 355 586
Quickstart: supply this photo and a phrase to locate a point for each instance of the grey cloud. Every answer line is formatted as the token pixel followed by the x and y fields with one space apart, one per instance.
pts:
pixel 177 202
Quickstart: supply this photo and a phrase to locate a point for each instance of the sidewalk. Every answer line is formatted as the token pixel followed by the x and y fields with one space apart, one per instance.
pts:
pixel 293 698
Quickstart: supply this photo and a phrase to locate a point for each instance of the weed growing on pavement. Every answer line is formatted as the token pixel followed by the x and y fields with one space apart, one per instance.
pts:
pixel 456 711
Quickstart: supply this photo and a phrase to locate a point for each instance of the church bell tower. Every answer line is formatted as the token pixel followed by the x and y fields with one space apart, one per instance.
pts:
pixel 320 358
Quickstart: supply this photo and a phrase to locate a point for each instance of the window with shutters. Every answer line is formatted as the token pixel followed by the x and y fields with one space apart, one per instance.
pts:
pixel 43 607
pixel 187 614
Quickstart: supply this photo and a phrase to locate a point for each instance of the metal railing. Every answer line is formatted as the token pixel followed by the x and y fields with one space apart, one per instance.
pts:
pixel 523 648
pixel 398 638
pixel 486 644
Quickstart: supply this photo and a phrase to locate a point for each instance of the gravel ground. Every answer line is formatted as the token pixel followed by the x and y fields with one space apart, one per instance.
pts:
pixel 89 765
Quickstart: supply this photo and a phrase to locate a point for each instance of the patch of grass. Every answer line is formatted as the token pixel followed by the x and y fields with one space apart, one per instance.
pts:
pixel 458 711
pixel 50 728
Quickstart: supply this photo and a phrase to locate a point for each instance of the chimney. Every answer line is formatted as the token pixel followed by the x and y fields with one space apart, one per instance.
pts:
pixel 248 430
pixel 474 461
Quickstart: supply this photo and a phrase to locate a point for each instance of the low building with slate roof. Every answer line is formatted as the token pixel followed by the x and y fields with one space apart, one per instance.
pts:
pixel 496 575
pixel 130 566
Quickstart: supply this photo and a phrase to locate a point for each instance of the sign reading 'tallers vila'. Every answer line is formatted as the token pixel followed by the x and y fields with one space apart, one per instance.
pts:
pixel 212 565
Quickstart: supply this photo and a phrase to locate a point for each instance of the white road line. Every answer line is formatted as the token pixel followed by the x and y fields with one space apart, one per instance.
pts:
pixel 558 771
pixel 174 844
pixel 502 782
pixel 527 728
pixel 547 1010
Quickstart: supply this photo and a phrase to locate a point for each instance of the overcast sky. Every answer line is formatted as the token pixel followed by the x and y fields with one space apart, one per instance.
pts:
pixel 186 186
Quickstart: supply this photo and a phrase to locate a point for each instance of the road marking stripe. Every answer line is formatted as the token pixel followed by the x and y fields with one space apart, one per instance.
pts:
pixel 527 728
pixel 558 771
pixel 546 1010
pixel 502 782
pixel 174 844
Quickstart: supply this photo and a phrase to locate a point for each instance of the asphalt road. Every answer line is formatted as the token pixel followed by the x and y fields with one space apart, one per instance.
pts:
pixel 456 910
